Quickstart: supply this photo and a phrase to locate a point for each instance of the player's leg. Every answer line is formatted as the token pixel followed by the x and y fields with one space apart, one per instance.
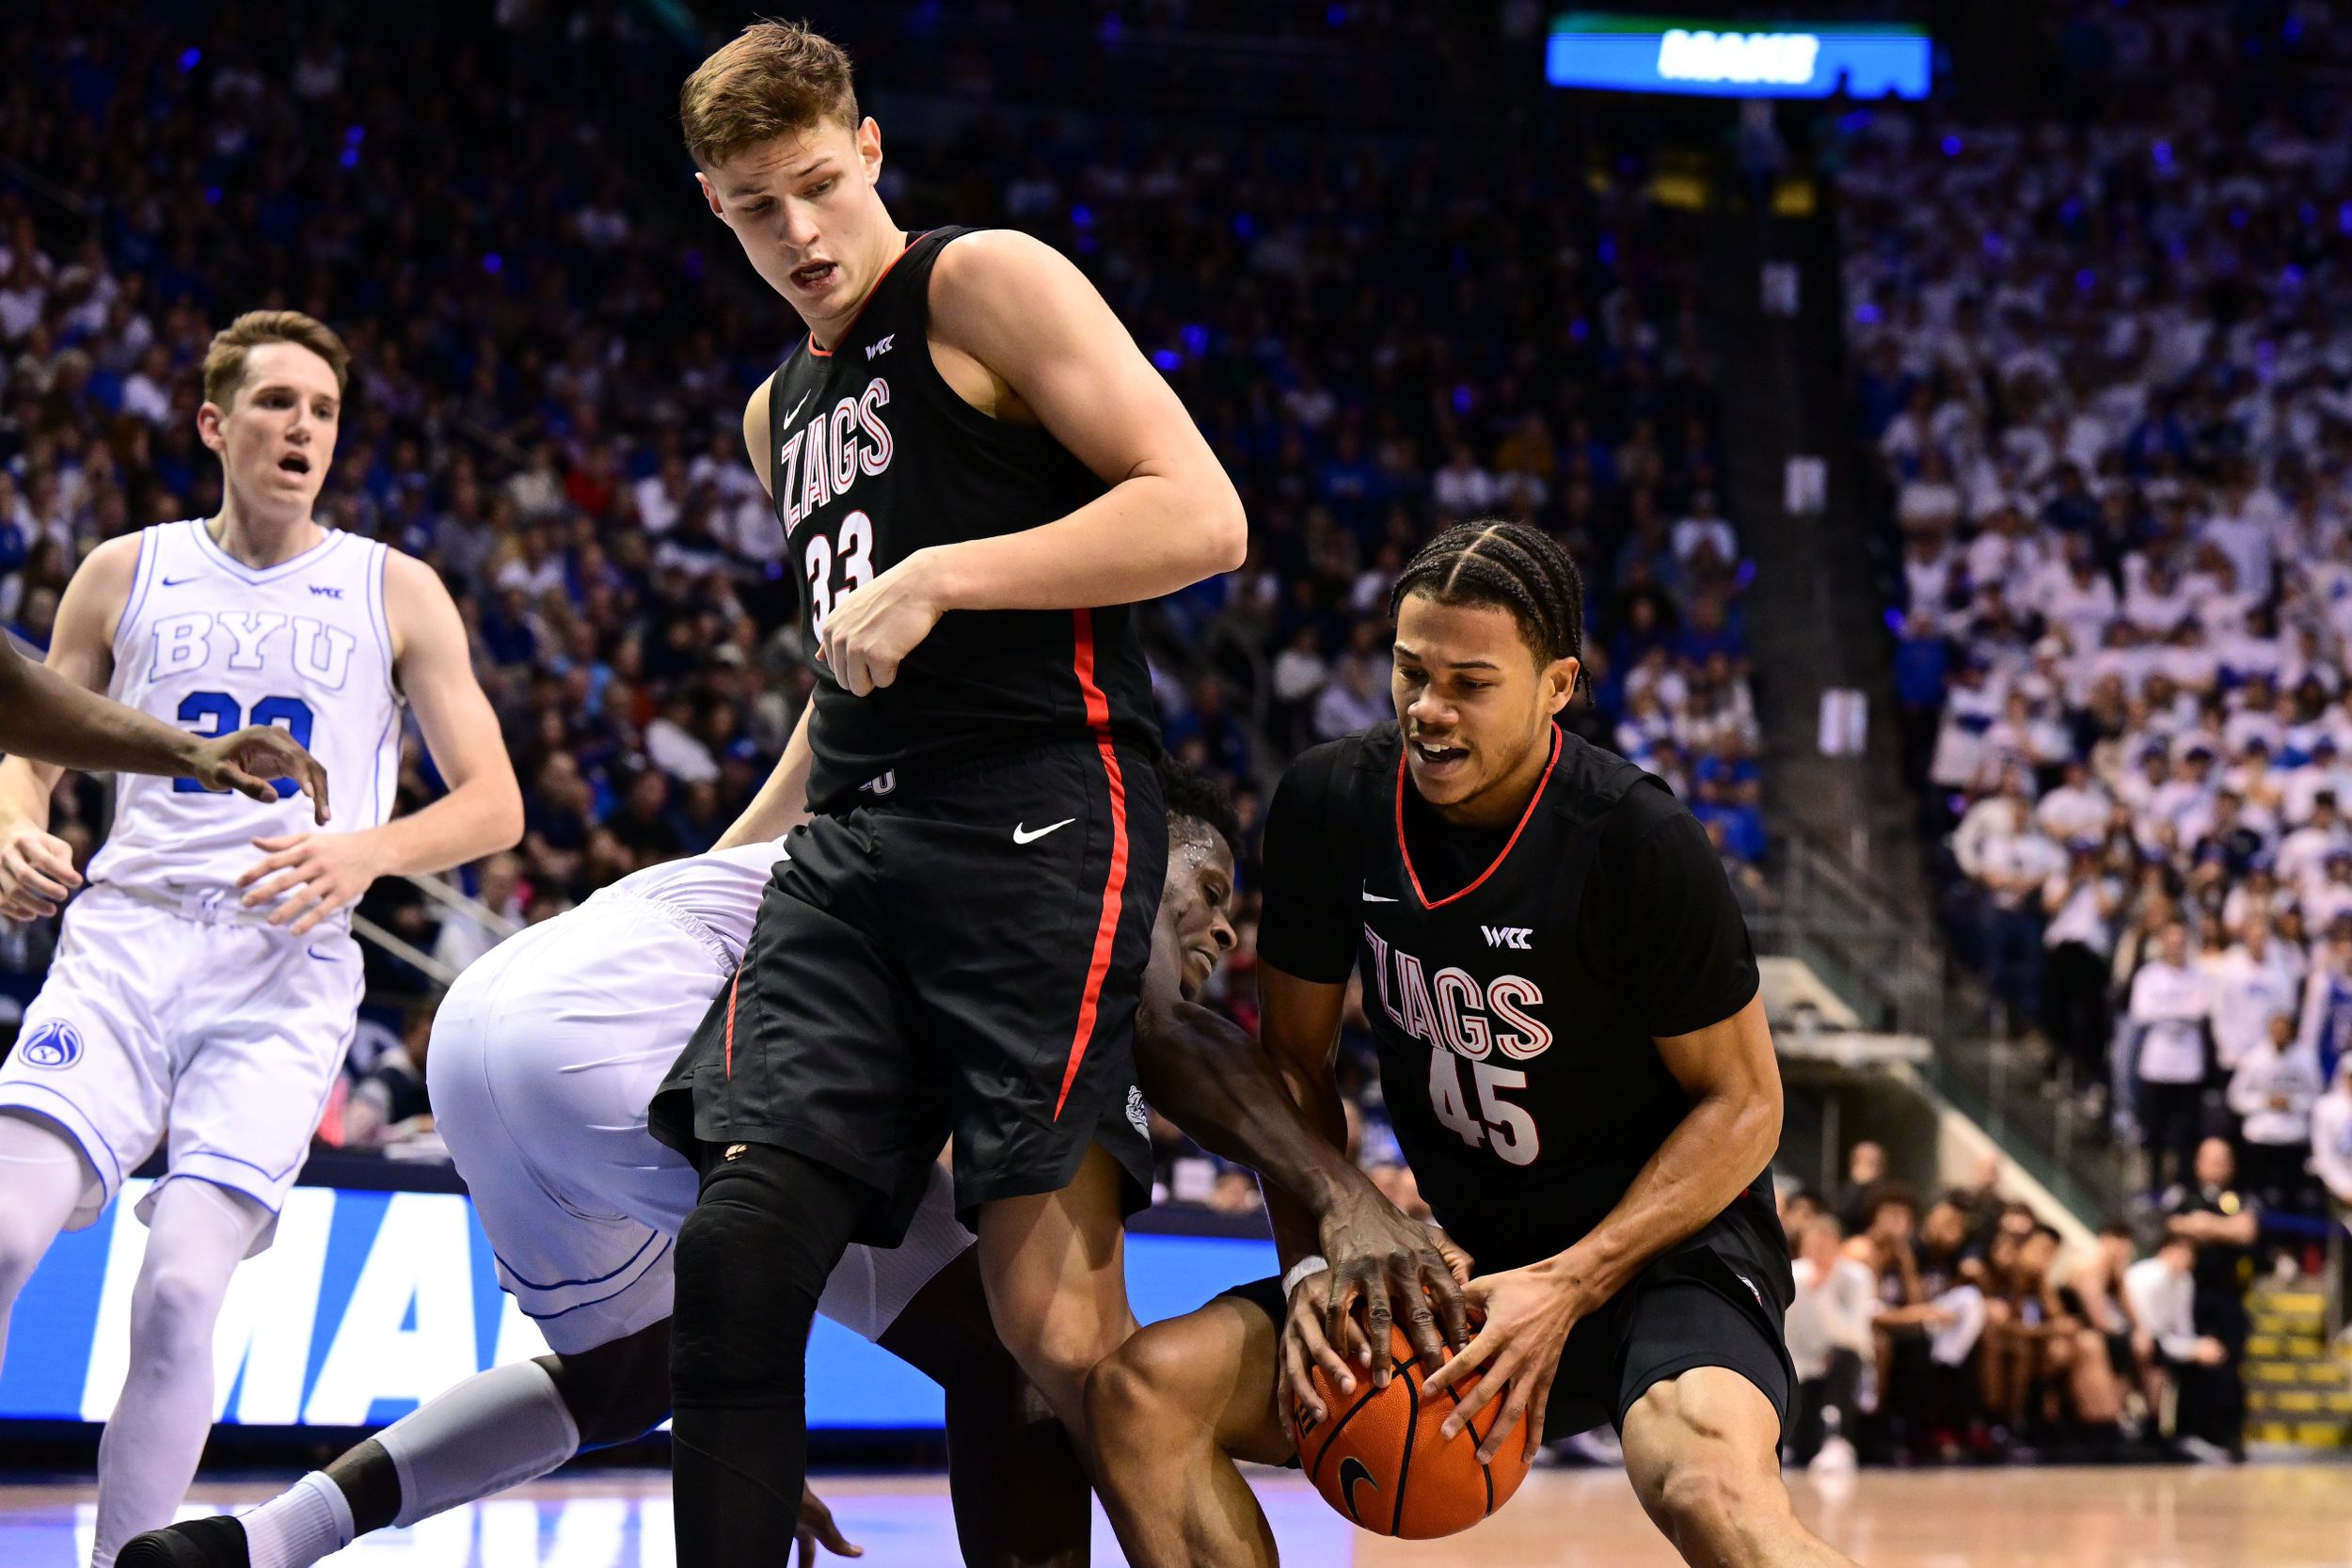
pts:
pixel 197 1234
pixel 1038 1017
pixel 43 1179
pixel 1055 1265
pixel 1020 1496
pixel 1703 1452
pixel 1170 1411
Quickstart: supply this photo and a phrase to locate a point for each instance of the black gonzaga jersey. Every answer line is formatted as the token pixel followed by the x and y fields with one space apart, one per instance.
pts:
pixel 873 457
pixel 1514 981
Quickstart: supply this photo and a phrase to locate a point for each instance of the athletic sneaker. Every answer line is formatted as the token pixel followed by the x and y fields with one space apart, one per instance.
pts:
pixel 214 1543
pixel 1836 1458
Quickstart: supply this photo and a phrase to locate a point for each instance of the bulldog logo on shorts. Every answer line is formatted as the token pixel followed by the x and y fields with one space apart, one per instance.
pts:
pixel 54 1044
pixel 1137 1113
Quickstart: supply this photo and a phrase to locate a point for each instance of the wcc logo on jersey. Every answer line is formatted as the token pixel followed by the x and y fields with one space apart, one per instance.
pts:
pixel 1515 937
pixel 53 1045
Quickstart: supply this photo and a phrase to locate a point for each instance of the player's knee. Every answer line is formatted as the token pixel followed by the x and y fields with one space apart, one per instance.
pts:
pixel 616 1393
pixel 174 1299
pixel 1133 1393
pixel 741 1325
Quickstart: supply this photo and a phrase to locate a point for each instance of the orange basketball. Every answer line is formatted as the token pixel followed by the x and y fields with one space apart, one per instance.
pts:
pixel 1379 1458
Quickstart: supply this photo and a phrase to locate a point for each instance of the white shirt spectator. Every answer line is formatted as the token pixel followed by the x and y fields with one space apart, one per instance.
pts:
pixel 1462 488
pixel 2086 913
pixel 678 752
pixel 2068 812
pixel 2331 1134
pixel 1829 1315
pixel 1691 534
pixel 2170 1005
pixel 2272 1093
pixel 2248 544
pixel 2247 993
pixel 2164 1303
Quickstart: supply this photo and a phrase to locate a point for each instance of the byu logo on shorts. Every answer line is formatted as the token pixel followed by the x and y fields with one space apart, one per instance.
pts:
pixel 54 1044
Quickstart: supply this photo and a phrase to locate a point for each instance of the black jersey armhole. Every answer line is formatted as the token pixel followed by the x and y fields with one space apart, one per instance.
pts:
pixel 1029 442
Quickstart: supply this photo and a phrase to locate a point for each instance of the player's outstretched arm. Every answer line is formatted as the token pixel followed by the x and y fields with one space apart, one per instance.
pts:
pixel 1052 351
pixel 304 877
pixel 46 717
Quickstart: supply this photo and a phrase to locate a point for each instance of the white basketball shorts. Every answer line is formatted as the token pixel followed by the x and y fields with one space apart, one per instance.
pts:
pixel 227 1032
pixel 544 1055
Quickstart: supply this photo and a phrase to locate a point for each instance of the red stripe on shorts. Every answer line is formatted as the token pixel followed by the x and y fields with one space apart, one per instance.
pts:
pixel 732 986
pixel 1114 891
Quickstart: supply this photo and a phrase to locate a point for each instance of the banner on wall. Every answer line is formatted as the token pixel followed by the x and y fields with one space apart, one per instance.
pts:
pixel 371 1303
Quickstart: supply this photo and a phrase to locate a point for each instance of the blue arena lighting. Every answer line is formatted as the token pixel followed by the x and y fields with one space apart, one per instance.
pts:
pixel 1621 53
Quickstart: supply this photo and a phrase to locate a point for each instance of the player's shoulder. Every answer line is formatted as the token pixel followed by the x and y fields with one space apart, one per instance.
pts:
pixel 1595 788
pixel 1325 777
pixel 971 266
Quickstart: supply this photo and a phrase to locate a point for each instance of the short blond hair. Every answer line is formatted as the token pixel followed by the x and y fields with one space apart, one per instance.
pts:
pixel 224 361
pixel 772 79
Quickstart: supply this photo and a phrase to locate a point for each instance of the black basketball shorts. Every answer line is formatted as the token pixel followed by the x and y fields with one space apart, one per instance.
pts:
pixel 1712 1300
pixel 960 961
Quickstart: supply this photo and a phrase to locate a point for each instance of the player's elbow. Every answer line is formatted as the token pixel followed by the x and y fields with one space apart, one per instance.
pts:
pixel 502 816
pixel 1218 526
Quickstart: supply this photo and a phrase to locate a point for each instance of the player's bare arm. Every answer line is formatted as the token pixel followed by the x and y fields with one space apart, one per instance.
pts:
pixel 1377 1256
pixel 53 713
pixel 45 716
pixel 1022 336
pixel 304 877
pixel 1211 1079
pixel 1733 1082
pixel 782 804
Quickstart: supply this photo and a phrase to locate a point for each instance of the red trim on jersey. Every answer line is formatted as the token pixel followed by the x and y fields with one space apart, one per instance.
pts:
pixel 1114 887
pixel 732 985
pixel 1406 850
pixel 827 352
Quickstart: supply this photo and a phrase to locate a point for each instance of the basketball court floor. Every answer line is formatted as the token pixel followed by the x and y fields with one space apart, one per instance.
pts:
pixel 2264 1515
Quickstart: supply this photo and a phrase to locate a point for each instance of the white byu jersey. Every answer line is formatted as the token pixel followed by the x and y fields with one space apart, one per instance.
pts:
pixel 211 644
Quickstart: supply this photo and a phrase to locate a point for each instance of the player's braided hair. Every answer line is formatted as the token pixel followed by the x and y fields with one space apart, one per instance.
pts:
pixel 1514 564
pixel 1202 798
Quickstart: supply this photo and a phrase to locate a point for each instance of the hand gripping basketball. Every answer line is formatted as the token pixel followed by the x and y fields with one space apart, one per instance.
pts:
pixel 1379 1454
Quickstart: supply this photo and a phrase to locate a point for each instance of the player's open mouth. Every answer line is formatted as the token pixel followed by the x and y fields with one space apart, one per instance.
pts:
pixel 1434 756
pixel 814 276
pixel 294 463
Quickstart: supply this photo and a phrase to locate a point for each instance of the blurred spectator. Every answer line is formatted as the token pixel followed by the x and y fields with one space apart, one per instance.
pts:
pixel 2210 1211
pixel 2171 1003
pixel 1829 1342
pixel 2272 1092
pixel 2162 1293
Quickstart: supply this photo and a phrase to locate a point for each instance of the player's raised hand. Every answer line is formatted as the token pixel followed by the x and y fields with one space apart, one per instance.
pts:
pixel 250 759
pixel 36 872
pixel 1391 1262
pixel 309 876
pixel 872 628
pixel 1515 1354
pixel 817 1530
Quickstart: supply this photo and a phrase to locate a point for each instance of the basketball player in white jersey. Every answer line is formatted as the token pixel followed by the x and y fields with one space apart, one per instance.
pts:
pixel 207 981
pixel 48 718
pixel 543 1056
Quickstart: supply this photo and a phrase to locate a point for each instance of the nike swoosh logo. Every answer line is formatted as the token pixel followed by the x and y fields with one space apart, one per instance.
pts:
pixel 1020 834
pixel 798 406
pixel 1372 897
pixel 323 958
pixel 1354 1472
pixel 174 582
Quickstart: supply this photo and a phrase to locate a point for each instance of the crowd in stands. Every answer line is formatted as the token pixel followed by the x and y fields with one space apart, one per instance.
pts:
pixel 2105 363
pixel 551 358
pixel 1961 1329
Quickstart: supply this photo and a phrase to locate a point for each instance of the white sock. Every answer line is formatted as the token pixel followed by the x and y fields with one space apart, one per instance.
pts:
pixel 148 1452
pixel 489 1432
pixel 299 1526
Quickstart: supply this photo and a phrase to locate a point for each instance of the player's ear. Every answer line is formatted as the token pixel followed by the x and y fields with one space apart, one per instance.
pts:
pixel 711 196
pixel 208 421
pixel 1559 683
pixel 870 152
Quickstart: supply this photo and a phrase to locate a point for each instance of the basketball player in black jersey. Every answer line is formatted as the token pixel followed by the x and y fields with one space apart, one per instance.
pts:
pixel 977 475
pixel 1575 1059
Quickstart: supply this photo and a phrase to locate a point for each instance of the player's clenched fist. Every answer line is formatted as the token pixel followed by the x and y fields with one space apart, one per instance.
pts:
pixel 247 760
pixel 872 628
pixel 36 872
